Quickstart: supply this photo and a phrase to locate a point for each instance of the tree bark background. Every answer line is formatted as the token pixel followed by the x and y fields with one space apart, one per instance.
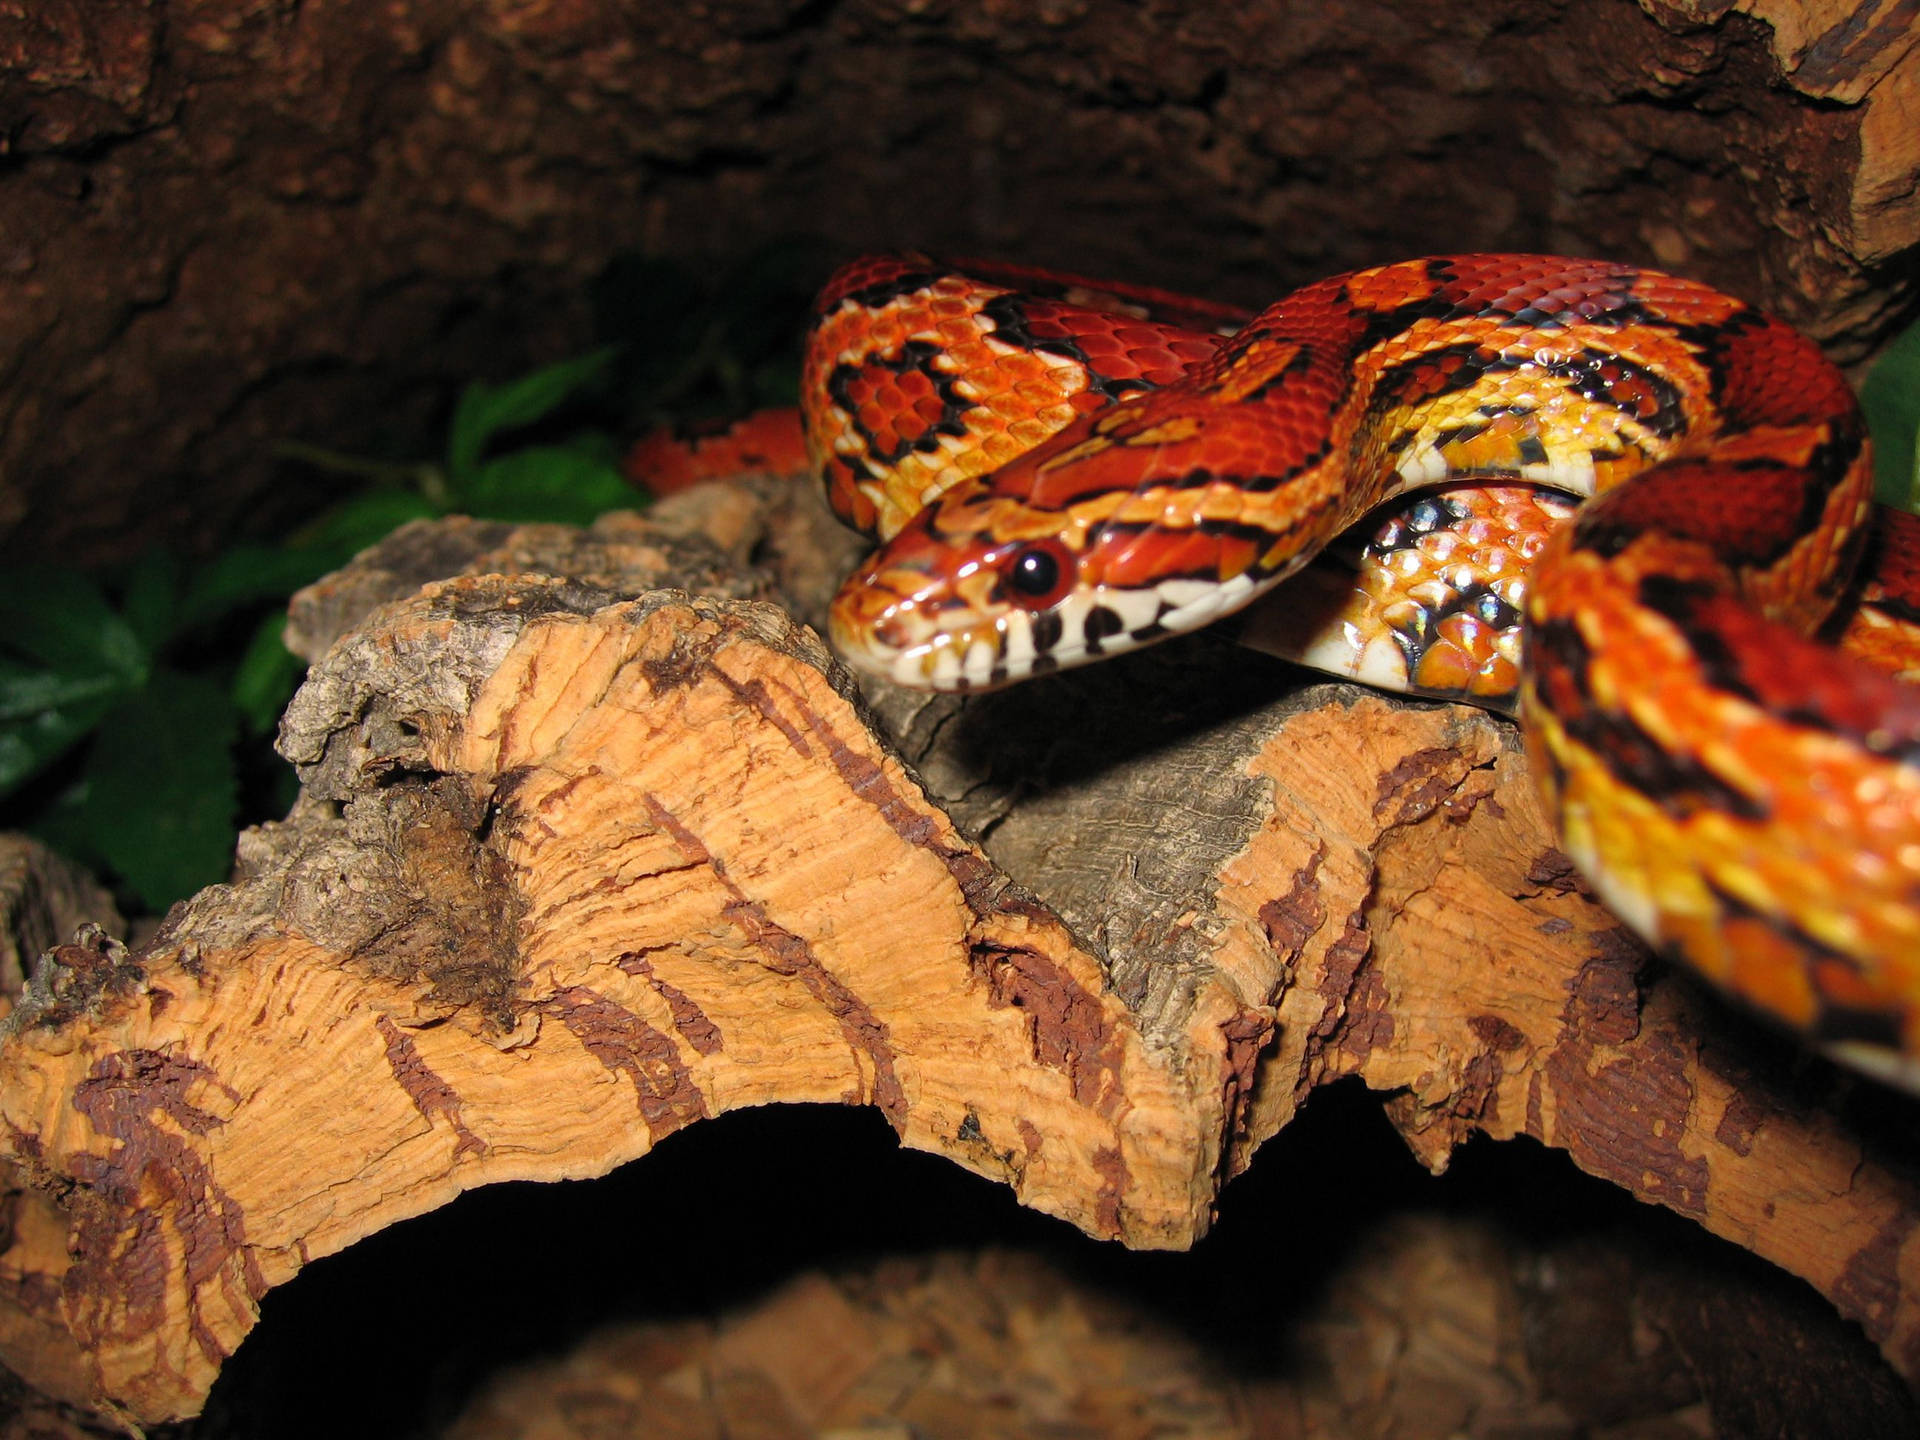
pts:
pixel 229 222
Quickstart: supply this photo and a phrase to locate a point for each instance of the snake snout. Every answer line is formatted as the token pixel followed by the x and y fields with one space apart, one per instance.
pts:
pixel 896 621
pixel 934 613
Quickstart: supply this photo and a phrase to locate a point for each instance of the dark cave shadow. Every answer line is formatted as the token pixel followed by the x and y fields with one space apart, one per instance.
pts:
pixel 1065 729
pixel 393 1337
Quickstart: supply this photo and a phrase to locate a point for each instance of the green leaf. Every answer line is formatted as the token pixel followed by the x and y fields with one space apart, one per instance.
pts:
pixel 484 410
pixel 29 690
pixel 247 575
pixel 161 793
pixel 58 824
pixel 65 656
pixel 567 483
pixel 148 603
pixel 1891 398
pixel 29 744
pixel 60 618
pixel 267 676
pixel 350 527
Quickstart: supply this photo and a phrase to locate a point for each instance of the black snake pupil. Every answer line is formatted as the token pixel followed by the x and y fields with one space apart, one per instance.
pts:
pixel 1035 572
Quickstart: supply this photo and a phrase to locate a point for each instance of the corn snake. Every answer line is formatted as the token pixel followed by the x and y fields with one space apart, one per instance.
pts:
pixel 1060 469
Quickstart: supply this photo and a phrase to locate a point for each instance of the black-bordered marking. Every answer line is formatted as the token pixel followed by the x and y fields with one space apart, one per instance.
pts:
pixel 915 357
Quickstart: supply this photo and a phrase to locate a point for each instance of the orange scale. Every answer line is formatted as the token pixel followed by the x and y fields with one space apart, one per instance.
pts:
pixel 1156 360
pixel 1497 677
pixel 1405 564
pixel 1187 351
pixel 1122 561
pixel 1025 365
pixel 1769 970
pixel 1000 398
pixel 997 448
pixel 1032 429
pixel 1841 985
pixel 1473 637
pixel 1376 584
pixel 1480 531
pixel 1099 342
pixel 1404 616
pixel 1495 562
pixel 1188 553
pixel 1036 391
pixel 1443 667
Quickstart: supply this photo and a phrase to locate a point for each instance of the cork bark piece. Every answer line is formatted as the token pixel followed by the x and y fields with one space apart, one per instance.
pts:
pixel 579 862
pixel 44 898
pixel 532 914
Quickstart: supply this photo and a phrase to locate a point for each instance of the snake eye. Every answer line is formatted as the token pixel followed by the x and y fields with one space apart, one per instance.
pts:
pixel 1037 575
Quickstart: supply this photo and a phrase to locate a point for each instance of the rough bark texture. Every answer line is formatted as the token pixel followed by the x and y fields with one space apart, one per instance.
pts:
pixel 573 870
pixel 44 898
pixel 228 223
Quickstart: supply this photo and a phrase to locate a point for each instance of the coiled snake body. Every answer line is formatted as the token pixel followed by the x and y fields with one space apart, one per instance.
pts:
pixel 1059 470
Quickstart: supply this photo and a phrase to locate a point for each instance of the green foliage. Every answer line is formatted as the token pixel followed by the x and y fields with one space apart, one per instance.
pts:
pixel 66 657
pixel 154 792
pixel 134 718
pixel 486 411
pixel 1891 398
pixel 135 701
pixel 161 793
pixel 156 702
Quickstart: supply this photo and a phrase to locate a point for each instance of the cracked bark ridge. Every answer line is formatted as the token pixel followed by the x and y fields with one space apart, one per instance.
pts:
pixel 228 224
pixel 575 867
pixel 44 898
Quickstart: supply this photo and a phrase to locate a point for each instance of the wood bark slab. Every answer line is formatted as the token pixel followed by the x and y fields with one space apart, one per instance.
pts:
pixel 574 867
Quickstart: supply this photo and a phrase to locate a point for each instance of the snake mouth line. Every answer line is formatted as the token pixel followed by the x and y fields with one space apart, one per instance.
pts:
pixel 921 643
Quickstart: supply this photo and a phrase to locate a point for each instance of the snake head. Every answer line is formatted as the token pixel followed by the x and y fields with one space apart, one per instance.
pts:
pixel 979 590
pixel 955 607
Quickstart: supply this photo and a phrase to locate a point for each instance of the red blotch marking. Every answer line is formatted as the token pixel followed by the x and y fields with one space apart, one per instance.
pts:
pixel 1775 376
pixel 1895 560
pixel 1754 513
pixel 867 271
pixel 897 408
pixel 1787 673
pixel 664 461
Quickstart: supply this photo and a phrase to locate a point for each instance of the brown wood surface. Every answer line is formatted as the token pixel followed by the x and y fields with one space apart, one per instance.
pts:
pixel 574 868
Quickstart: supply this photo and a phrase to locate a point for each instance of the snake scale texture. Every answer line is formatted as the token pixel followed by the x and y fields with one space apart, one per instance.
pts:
pixel 1059 470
